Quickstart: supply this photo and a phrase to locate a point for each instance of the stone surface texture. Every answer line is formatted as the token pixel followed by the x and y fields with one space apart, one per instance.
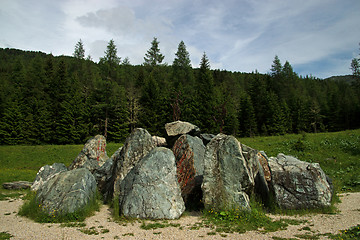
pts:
pixel 227 178
pixel 150 189
pixel 92 156
pixel 46 172
pixel 298 184
pixel 67 192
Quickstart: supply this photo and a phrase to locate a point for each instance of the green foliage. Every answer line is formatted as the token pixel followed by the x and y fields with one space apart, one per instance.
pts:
pixel 65 100
pixel 351 233
pixel 156 225
pixel 5 235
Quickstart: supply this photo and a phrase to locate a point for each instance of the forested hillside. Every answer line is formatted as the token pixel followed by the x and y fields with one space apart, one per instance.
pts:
pixel 62 100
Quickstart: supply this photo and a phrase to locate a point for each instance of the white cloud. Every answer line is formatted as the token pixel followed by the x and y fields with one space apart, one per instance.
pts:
pixel 237 35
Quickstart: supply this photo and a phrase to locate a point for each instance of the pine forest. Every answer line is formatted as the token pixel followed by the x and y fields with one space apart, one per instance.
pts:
pixel 46 99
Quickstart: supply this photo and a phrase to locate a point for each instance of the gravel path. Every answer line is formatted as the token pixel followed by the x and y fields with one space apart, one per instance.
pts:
pixel 101 223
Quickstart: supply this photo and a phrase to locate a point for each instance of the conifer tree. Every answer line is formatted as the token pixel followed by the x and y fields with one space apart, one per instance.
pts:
pixel 79 51
pixel 206 97
pixel 153 57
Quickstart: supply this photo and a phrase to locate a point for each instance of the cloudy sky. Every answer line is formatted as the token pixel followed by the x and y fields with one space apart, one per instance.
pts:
pixel 318 37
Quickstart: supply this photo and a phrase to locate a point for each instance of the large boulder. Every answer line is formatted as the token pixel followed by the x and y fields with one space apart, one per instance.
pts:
pixel 298 184
pixel 227 179
pixel 175 129
pixel 67 192
pixel 189 154
pixel 92 156
pixel 46 172
pixel 150 189
pixel 136 146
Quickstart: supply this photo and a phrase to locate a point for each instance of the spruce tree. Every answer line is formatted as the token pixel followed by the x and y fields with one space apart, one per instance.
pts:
pixel 79 51
pixel 153 57
pixel 207 97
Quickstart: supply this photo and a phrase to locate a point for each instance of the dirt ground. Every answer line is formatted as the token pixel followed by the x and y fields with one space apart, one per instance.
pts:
pixel 101 223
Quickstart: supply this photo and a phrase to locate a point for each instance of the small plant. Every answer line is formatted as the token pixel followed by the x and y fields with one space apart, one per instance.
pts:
pixel 211 233
pixel 5 235
pixel 157 225
pixel 348 234
pixel 89 231
pixel 128 234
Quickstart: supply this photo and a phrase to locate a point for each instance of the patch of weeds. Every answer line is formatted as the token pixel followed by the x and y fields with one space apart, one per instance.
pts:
pixel 89 231
pixel 73 224
pixel 280 238
pixel 10 194
pixel 157 225
pixel 307 236
pixel 33 210
pixel 156 233
pixel 128 234
pixel 211 233
pixel 347 234
pixel 105 230
pixel 305 229
pixel 5 235
pixel 223 235
pixel 241 221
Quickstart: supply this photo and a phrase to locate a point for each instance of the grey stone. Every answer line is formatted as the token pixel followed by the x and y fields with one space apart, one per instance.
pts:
pixel 180 128
pixel 17 185
pixel 159 141
pixel 150 189
pixel 46 172
pixel 92 156
pixel 227 179
pixel 136 146
pixel 67 192
pixel 298 184
pixel 175 129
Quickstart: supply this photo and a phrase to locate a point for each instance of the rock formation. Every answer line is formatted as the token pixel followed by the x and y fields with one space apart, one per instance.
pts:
pixel 92 156
pixel 298 184
pixel 227 179
pixel 45 173
pixel 150 189
pixel 67 192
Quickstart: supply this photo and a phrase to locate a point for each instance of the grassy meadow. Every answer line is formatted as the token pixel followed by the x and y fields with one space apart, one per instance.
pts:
pixel 338 154
pixel 23 162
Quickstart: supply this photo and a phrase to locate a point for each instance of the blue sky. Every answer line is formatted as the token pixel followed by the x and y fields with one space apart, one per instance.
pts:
pixel 317 37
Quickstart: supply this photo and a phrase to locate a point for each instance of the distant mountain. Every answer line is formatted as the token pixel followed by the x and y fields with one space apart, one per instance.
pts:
pixel 345 78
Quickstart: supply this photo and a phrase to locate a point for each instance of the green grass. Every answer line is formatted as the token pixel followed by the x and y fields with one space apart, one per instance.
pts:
pixel 23 162
pixel 337 153
pixel 348 234
pixel 5 236
pixel 237 220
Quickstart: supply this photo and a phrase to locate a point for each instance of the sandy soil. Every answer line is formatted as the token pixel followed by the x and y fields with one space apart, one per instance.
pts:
pixel 23 228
